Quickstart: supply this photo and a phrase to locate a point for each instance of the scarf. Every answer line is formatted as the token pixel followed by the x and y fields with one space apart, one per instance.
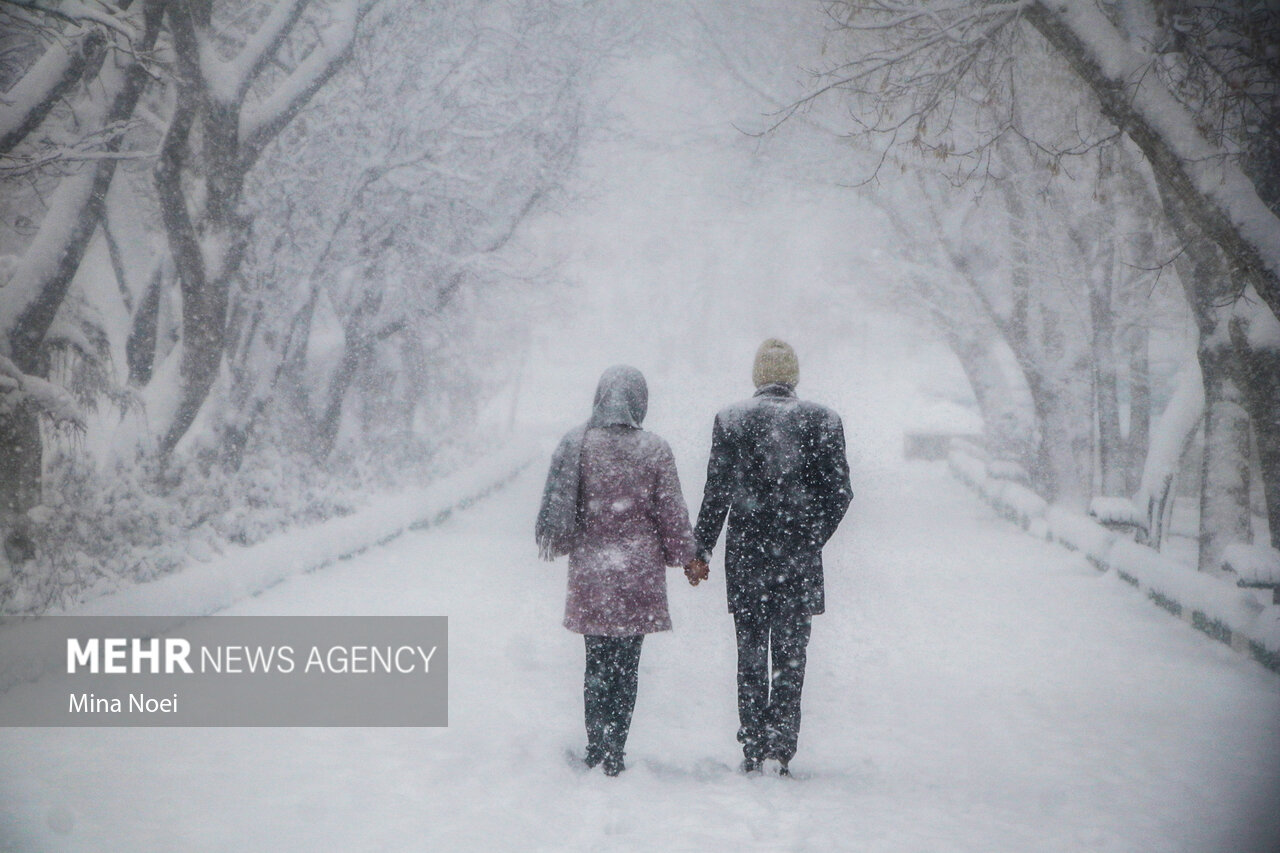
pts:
pixel 622 399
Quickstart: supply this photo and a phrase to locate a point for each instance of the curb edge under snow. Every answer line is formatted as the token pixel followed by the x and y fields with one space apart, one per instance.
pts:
pixel 1217 609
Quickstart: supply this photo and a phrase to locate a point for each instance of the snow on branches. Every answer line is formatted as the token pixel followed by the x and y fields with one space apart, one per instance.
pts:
pixel 22 389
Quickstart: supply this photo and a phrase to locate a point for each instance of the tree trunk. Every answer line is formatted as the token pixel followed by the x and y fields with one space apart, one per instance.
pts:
pixel 1173 433
pixel 21 480
pixel 1044 478
pixel 1139 403
pixel 1225 516
pixel 1049 475
pixel 205 267
pixel 360 341
pixel 21 462
pixel 997 401
pixel 59 249
pixel 357 351
pixel 1066 442
pixel 62 66
pixel 1102 324
pixel 1111 450
pixel 140 348
pixel 1262 366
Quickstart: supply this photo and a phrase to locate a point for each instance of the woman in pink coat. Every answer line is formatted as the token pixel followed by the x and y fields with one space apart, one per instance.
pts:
pixel 613 504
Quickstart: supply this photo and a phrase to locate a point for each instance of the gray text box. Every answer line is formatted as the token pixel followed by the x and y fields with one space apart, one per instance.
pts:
pixel 245 671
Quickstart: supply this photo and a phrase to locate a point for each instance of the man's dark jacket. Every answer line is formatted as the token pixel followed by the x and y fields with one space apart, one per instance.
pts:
pixel 778 469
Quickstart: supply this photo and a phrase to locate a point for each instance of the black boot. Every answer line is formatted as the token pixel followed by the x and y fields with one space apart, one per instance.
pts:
pixel 613 765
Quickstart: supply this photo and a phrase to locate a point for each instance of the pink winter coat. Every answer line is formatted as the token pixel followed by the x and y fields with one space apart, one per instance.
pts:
pixel 632 523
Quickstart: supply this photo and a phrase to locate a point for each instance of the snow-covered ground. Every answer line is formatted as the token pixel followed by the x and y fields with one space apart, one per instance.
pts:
pixel 970 688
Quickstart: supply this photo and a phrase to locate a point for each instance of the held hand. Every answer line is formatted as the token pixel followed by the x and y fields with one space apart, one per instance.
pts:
pixel 696 570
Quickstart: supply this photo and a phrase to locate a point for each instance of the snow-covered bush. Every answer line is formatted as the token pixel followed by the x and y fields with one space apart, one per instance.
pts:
pixel 1118 514
pixel 1254 564
pixel 100 530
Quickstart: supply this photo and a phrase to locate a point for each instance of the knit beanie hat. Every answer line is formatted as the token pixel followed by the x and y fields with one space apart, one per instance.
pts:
pixel 776 364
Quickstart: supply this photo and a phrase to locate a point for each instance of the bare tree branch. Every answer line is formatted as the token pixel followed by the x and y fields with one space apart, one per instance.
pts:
pixel 229 81
pixel 260 124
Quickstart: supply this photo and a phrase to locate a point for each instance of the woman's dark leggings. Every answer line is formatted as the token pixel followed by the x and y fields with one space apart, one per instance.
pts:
pixel 609 693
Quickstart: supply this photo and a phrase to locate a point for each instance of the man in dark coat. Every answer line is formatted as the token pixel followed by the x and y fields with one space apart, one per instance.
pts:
pixel 778 470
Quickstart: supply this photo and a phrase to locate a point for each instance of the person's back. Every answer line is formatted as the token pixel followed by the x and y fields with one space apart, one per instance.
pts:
pixel 632 523
pixel 778 471
pixel 612 502
pixel 782 483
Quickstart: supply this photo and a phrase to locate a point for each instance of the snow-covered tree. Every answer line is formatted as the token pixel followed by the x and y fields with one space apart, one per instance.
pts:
pixel 383 243
pixel 243 72
pixel 227 213
pixel 1192 88
pixel 62 136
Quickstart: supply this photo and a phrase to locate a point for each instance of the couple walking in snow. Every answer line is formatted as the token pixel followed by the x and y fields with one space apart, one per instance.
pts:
pixel 612 502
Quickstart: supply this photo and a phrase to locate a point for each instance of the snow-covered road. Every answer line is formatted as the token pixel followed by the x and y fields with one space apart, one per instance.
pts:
pixel 969 689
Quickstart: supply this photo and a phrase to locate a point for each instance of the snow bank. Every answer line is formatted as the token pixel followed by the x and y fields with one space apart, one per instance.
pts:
pixel 1005 469
pixel 1023 503
pixel 1255 564
pixel 1215 606
pixel 1081 534
pixel 1011 499
pixel 1115 511
pixel 970 448
pixel 206 588
pixel 972 471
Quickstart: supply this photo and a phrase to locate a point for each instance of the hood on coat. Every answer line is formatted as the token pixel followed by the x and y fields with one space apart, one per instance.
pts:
pixel 622 398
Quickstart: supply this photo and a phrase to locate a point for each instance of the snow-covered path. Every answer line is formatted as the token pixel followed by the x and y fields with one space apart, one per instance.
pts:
pixel 969 689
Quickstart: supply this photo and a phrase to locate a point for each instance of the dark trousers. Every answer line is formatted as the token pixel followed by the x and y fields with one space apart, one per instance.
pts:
pixel 609 693
pixel 769 701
